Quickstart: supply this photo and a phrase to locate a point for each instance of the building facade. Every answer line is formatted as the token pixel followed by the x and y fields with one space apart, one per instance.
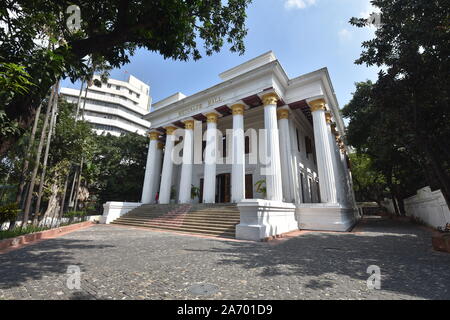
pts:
pixel 114 107
pixel 270 144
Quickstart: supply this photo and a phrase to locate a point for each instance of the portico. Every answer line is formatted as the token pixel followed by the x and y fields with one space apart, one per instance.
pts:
pixel 268 143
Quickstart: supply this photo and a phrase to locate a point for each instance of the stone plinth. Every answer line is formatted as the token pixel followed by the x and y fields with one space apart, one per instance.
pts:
pixel 325 217
pixel 261 219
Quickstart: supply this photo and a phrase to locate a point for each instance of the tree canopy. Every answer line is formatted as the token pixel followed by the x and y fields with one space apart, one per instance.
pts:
pixel 35 35
pixel 116 172
pixel 403 120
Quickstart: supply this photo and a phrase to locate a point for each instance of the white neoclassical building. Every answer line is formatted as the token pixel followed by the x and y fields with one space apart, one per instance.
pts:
pixel 268 143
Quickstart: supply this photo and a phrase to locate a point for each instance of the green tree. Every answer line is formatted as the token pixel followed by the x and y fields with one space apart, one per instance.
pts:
pixel 410 99
pixel 72 141
pixel 368 182
pixel 14 81
pixel 117 168
pixel 110 33
pixel 377 133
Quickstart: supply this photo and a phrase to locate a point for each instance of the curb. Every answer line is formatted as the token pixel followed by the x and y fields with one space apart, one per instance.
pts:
pixel 17 242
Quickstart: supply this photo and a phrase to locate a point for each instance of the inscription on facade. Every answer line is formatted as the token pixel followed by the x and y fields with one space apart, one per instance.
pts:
pixel 199 106
pixel 214 100
pixel 190 109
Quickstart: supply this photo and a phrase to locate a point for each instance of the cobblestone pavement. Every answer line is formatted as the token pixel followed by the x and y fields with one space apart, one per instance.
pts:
pixel 127 263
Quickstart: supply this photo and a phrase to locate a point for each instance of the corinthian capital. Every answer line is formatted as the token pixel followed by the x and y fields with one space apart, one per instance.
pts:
pixel 317 105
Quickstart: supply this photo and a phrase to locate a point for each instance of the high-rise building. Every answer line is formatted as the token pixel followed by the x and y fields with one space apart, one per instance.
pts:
pixel 114 107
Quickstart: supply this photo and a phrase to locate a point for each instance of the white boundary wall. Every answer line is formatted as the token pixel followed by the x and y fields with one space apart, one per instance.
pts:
pixel 429 206
pixel 49 221
pixel 388 204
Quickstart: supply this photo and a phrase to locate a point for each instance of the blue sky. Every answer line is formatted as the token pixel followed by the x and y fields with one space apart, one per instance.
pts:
pixel 305 35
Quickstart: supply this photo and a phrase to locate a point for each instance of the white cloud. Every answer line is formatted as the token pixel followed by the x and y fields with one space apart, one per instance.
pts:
pixel 366 14
pixel 298 4
pixel 369 10
pixel 344 35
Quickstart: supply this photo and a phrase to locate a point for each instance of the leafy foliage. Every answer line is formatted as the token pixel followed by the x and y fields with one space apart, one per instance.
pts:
pixel 34 34
pixel 14 81
pixel 73 139
pixel 8 212
pixel 19 231
pixel 403 120
pixel 261 187
pixel 369 183
pixel 195 192
pixel 117 168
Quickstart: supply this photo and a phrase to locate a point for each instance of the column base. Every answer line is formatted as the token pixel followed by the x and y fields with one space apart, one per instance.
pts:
pixel 264 218
pixel 325 217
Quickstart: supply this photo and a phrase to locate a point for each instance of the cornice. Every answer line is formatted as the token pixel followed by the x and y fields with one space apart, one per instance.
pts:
pixel 213 91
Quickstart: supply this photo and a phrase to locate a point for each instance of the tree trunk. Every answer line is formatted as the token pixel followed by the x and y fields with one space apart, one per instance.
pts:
pixel 401 206
pixel 72 189
pixel 78 185
pixel 26 162
pixel 37 160
pixel 393 196
pixel 439 171
pixel 399 197
pixel 79 100
pixel 395 204
pixel 442 177
pixel 53 203
pixel 47 149
pixel 63 197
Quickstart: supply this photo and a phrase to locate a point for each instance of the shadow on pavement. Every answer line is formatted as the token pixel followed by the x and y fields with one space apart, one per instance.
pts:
pixel 33 262
pixel 402 251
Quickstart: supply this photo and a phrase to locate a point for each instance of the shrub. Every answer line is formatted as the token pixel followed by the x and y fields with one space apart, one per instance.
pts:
pixel 8 212
pixel 19 231
pixel 74 214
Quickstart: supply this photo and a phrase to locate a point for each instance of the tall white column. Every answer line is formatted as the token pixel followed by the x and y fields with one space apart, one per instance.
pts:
pixel 148 190
pixel 273 167
pixel 188 159
pixel 325 168
pixel 286 155
pixel 347 172
pixel 158 165
pixel 337 165
pixel 209 180
pixel 166 176
pixel 238 154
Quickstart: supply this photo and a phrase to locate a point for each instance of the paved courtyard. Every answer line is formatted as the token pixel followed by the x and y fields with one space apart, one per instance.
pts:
pixel 127 263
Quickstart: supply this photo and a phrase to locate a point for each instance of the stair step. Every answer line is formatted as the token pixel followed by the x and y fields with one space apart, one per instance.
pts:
pixel 207 219
pixel 230 234
pixel 193 215
pixel 182 225
pixel 191 219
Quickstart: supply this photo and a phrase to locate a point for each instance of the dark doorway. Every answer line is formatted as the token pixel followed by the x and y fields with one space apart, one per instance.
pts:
pixel 223 188
pixel 248 186
pixel 200 197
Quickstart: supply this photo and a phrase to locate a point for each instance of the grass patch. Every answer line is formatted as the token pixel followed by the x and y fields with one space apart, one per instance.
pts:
pixel 18 231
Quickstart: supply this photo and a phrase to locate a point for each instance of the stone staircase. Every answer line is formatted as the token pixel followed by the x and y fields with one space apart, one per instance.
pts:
pixel 218 220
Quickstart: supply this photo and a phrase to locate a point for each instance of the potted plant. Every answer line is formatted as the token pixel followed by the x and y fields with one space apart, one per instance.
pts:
pixel 195 192
pixel 173 194
pixel 441 239
pixel 261 187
